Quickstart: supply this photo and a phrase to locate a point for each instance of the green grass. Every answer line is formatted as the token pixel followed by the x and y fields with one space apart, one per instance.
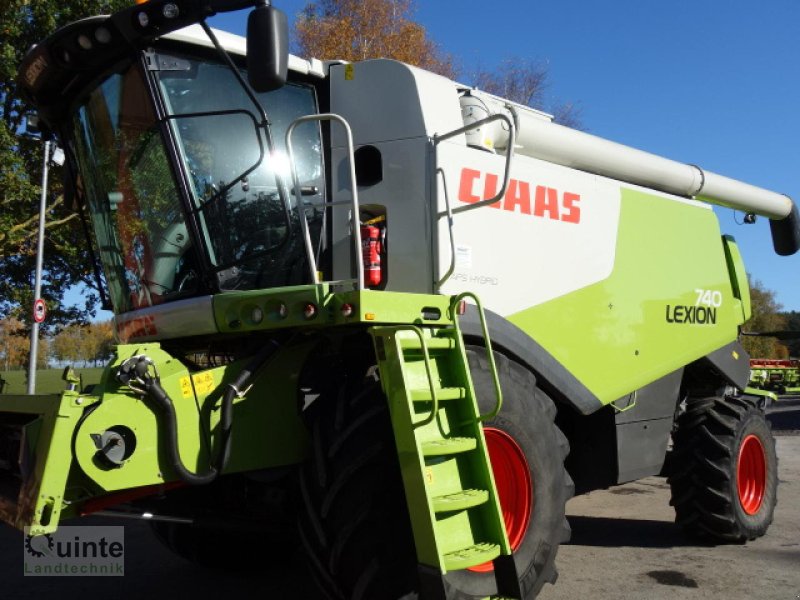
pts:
pixel 48 381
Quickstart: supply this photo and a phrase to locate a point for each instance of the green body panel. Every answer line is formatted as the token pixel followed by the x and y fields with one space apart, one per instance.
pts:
pixel 741 288
pixel 121 408
pixel 268 430
pixel 61 432
pixel 66 471
pixel 234 311
pixel 46 444
pixel 616 336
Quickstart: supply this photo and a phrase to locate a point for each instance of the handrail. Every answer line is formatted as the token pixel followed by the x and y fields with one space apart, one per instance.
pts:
pixel 454 302
pixel 449 212
pixel 434 398
pixel 312 263
pixel 512 139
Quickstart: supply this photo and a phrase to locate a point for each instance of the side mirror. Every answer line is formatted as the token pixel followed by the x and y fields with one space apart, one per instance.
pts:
pixel 267 48
pixel 786 233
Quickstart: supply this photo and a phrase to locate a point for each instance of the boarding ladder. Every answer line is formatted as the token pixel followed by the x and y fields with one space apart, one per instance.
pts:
pixel 455 513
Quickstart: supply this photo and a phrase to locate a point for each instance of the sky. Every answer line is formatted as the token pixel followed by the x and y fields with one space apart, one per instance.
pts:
pixel 712 83
pixel 706 82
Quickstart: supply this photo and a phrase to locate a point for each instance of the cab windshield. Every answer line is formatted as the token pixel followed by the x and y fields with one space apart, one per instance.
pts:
pixel 251 232
pixel 134 167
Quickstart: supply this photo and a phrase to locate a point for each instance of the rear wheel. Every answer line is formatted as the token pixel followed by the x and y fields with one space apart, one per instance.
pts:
pixel 724 470
pixel 355 525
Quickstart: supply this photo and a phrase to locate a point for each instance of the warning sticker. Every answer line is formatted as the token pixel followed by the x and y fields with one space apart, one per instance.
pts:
pixel 186 387
pixel 203 382
pixel 428 475
pixel 348 72
pixel 464 256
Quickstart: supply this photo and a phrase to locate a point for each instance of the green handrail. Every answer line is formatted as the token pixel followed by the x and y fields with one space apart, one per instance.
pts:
pixel 456 300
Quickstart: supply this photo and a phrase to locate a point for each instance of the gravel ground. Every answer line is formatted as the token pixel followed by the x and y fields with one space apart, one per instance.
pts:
pixel 625 545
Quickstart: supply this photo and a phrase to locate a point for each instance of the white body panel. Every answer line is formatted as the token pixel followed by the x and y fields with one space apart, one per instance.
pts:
pixel 386 100
pixel 236 44
pixel 556 230
pixel 397 109
pixel 553 233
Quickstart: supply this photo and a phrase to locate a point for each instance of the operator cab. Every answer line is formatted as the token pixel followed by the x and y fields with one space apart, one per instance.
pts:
pixel 180 168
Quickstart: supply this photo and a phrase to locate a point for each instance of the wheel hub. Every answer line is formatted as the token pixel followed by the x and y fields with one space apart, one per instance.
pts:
pixel 512 478
pixel 751 474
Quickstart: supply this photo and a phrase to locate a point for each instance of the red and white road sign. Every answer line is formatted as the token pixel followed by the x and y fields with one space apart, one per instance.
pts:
pixel 39 310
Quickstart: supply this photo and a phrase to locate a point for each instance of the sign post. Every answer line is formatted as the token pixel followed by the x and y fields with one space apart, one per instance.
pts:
pixel 39 309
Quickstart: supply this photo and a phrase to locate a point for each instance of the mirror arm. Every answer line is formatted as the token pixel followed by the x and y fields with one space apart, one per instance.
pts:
pixel 242 81
pixel 264 125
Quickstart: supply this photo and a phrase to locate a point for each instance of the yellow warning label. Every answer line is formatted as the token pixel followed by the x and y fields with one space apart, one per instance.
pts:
pixel 186 387
pixel 428 475
pixel 203 382
pixel 348 72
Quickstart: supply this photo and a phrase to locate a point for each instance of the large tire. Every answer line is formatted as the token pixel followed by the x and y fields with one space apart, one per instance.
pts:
pixel 724 467
pixel 212 548
pixel 240 524
pixel 355 524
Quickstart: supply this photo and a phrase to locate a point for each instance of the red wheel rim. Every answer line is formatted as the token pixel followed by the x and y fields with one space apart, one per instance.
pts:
pixel 751 474
pixel 512 477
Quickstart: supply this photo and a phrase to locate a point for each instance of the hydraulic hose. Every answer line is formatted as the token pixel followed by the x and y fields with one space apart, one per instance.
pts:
pixel 136 371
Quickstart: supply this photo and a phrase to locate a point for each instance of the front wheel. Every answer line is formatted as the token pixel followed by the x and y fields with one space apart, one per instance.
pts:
pixel 355 525
pixel 725 470
pixel 527 452
pixel 240 523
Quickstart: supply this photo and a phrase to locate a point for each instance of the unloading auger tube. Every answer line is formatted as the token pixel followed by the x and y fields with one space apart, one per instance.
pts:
pixel 539 137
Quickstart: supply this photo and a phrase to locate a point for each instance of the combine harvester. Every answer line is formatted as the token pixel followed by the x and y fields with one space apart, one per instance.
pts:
pixel 779 376
pixel 294 251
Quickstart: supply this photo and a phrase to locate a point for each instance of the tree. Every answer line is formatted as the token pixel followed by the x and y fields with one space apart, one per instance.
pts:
pixel 360 29
pixel 92 343
pixel 357 30
pixel 525 81
pixel 22 24
pixel 100 342
pixel 14 349
pixel 766 317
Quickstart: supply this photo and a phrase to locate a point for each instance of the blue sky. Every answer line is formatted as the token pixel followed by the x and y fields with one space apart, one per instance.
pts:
pixel 707 82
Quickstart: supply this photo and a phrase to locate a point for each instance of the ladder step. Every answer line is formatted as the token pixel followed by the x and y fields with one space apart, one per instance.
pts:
pixel 448 393
pixel 459 500
pixel 471 556
pixel 453 445
pixel 412 345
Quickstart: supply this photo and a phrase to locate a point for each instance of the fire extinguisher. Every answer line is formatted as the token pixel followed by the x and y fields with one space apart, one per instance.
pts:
pixel 373 245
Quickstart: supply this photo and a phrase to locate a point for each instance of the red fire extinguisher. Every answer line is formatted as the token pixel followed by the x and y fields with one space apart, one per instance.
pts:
pixel 372 249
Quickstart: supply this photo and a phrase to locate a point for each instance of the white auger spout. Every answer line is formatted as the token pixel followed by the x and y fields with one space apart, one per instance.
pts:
pixel 539 137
